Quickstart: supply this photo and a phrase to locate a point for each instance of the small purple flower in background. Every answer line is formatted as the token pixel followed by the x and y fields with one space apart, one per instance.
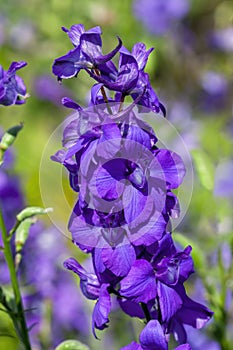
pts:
pixel 223 39
pixel 22 35
pixel 12 88
pixel 11 196
pixel 214 92
pixel 43 274
pixel 47 89
pixel 159 16
pixel 223 180
pixel 3 23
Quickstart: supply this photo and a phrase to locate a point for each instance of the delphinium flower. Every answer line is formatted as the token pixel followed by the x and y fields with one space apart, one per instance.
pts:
pixel 128 79
pixel 124 182
pixel 214 94
pixel 12 88
pixel 223 186
pixel 222 39
pixel 46 89
pixel 159 16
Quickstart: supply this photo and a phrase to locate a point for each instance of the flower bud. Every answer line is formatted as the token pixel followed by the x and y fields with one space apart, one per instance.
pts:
pixel 8 139
pixel 32 211
pixel 72 345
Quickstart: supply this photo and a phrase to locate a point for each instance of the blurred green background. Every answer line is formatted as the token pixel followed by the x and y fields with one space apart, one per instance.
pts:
pixel 30 31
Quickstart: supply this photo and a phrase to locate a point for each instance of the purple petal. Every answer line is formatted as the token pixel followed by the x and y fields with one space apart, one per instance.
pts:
pixel 139 285
pixel 169 301
pixel 2 89
pixel 131 308
pixel 9 97
pixel 94 93
pixel 152 337
pixel 120 259
pixel 20 87
pixel 141 55
pixel 83 232
pixel 101 310
pixel 68 65
pixel 91 43
pixel 108 185
pixel 136 134
pixel 71 134
pixel 192 313
pixel 68 103
pixel 105 58
pixel 128 73
pixel 110 141
pixel 74 33
pixel 87 158
pixel 171 168
pixel 150 232
pixel 183 347
pixel 89 283
pixel 15 66
pixel 137 207
pixel 132 346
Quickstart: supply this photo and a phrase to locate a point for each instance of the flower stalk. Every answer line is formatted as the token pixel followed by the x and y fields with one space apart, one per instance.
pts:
pixel 21 324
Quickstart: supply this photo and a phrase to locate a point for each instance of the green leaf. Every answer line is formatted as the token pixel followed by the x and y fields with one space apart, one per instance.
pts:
pixel 72 345
pixel 205 168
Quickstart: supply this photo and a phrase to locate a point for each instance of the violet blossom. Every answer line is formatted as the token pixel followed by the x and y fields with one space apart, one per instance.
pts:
pixel 12 88
pixel 159 16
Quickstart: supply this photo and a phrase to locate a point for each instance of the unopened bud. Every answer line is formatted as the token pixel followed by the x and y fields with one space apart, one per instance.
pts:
pixel 8 139
pixel 72 345
pixel 32 211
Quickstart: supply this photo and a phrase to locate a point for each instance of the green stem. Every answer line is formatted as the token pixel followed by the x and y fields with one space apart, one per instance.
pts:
pixel 121 103
pixel 97 72
pixel 146 312
pixel 15 284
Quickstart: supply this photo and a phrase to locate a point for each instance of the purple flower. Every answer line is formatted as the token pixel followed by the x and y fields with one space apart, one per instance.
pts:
pixel 11 197
pixel 214 94
pixel 160 279
pixel 152 337
pixel 86 54
pixel 168 266
pixel 124 181
pixel 46 88
pixel 92 289
pixel 158 16
pixel 89 283
pixel 12 88
pixel 222 39
pixel 130 78
pixel 223 180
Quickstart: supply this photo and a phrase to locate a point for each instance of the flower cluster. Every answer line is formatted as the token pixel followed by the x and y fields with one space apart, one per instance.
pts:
pixel 125 202
pixel 128 79
pixel 12 88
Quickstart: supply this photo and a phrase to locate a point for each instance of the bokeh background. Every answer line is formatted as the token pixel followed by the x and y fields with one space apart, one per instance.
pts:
pixel 191 70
